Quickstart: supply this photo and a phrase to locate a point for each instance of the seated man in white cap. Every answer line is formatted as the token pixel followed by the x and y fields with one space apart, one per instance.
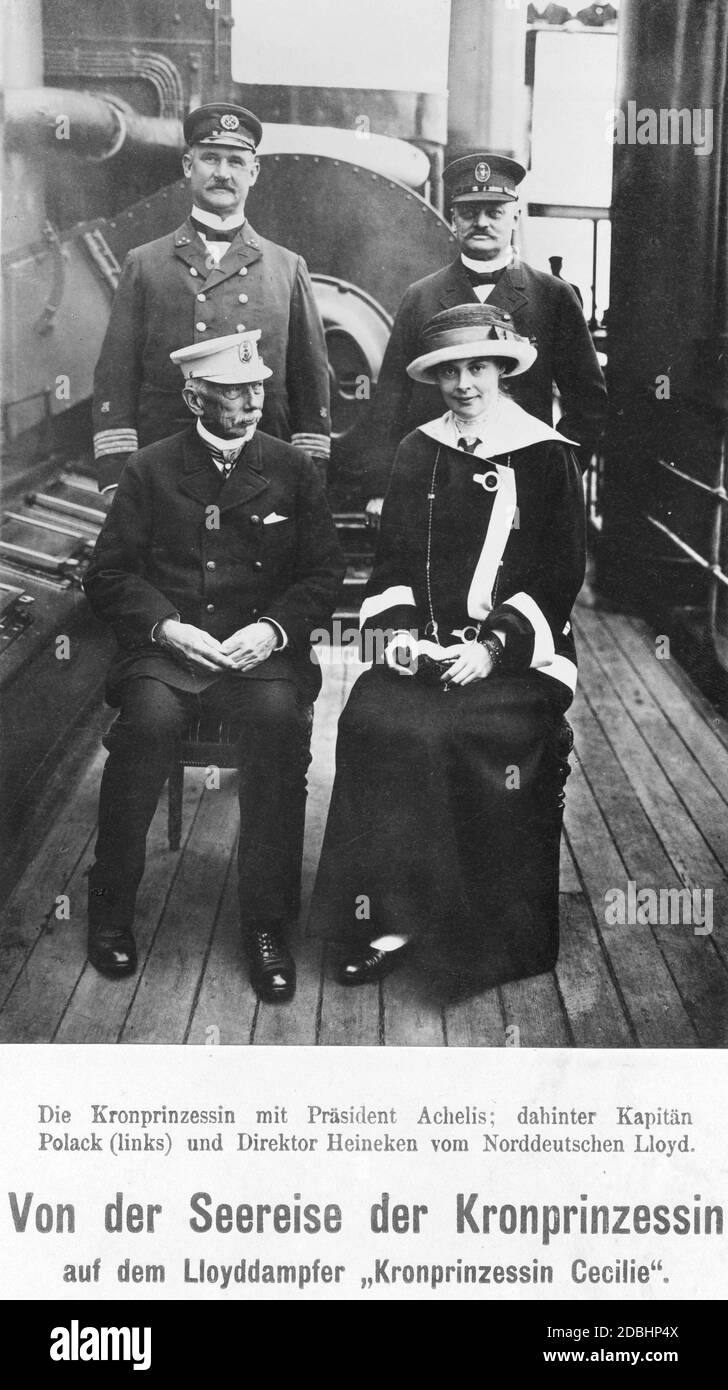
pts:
pixel 218 559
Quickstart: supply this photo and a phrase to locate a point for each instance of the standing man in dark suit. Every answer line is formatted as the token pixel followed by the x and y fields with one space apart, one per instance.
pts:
pixel 556 263
pixel 481 191
pixel 217 561
pixel 214 276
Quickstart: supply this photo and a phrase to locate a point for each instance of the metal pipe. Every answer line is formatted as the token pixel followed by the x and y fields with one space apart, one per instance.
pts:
pixel 46 499
pixel 37 557
pixel 94 126
pixel 713 569
pixel 719 492
pixel 716 536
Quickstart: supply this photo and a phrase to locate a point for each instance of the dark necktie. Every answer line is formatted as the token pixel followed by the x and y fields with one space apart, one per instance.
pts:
pixel 214 233
pixel 225 461
pixel 483 277
pixel 469 445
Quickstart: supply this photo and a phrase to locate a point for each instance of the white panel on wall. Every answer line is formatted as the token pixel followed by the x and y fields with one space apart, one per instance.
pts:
pixel 388 45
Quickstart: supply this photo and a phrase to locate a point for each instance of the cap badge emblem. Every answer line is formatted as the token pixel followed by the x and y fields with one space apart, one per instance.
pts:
pixel 245 352
pixel 229 121
pixel 482 171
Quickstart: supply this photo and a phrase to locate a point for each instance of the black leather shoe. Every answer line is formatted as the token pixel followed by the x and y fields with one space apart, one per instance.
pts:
pixel 372 965
pixel 111 948
pixel 272 967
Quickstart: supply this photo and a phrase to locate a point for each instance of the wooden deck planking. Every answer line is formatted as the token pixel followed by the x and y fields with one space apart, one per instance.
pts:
pixel 704 804
pixel 412 1017
pixel 533 1007
pixel 646 801
pixel 646 988
pixel 680 833
pixel 694 720
pixel 477 1022
pixel 98 1008
pixel 225 1008
pixel 346 1015
pixel 588 992
pixel 167 989
pixel 569 881
pixel 50 974
pixel 697 971
pixel 297 1022
pixel 32 904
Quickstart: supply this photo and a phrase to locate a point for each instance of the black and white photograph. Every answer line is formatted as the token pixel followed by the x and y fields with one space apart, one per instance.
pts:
pixel 364 588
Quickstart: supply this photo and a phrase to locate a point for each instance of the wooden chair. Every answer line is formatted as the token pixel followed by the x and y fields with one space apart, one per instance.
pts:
pixel 206 742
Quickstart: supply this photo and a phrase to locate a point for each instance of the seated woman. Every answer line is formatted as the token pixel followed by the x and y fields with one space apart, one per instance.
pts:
pixel 446 809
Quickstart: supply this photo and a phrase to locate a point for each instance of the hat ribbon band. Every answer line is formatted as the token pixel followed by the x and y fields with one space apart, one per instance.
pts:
pixel 454 336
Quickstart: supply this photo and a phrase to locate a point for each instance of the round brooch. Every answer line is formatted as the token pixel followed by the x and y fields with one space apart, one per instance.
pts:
pixel 490 482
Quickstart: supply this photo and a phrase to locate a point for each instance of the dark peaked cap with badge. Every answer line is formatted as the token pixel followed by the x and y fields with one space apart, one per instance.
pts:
pixel 541 308
pixel 172 292
pixel 221 123
pixel 482 177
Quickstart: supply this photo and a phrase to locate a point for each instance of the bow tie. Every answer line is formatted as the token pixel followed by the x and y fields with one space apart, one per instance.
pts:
pixel 484 277
pixel 469 445
pixel 215 233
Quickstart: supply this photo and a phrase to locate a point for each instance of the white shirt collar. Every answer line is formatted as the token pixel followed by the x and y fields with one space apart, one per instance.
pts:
pixel 224 446
pixel 216 223
pixel 480 267
pixel 507 429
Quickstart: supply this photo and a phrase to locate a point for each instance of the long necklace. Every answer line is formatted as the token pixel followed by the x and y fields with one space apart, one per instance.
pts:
pixel 431 626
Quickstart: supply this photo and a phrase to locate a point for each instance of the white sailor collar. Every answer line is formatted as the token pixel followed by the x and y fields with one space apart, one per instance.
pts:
pixel 511 428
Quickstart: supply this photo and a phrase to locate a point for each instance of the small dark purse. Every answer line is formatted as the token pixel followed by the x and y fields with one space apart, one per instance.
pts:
pixel 430 671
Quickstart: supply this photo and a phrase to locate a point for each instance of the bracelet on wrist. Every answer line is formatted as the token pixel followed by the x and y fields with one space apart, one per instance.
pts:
pixel 494 647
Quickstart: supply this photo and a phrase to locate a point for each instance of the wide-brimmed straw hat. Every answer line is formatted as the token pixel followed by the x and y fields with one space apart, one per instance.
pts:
pixel 467 331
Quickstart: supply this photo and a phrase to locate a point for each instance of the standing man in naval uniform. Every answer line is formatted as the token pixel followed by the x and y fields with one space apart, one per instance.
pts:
pixel 481 191
pixel 214 276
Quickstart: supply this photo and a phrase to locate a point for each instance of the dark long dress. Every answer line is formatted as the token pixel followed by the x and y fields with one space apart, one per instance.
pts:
pixel 446 809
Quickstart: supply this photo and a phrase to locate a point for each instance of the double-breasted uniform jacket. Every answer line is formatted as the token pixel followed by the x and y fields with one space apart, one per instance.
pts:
pixel 169 296
pixel 543 309
pixel 507 553
pixel 221 553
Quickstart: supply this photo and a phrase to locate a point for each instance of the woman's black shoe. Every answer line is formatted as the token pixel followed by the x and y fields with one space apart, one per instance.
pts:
pixel 272 967
pixel 371 966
